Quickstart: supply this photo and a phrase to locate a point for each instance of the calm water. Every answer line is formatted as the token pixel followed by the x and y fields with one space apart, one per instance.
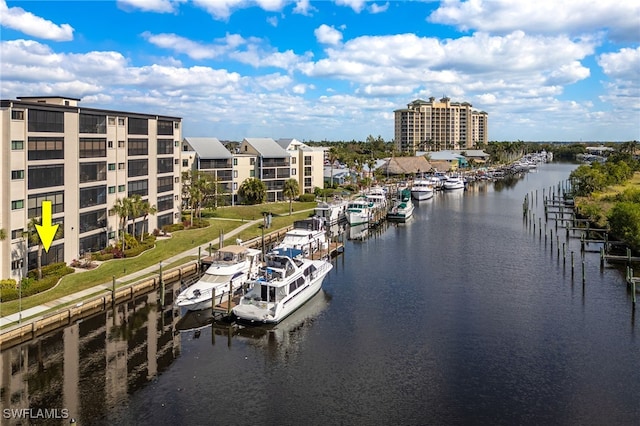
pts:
pixel 464 315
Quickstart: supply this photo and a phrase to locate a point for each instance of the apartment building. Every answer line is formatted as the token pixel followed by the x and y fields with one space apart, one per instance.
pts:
pixel 82 160
pixel 439 125
pixel 307 164
pixel 211 157
pixel 272 164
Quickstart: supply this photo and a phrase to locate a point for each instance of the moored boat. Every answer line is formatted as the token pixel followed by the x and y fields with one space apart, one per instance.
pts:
pixel 285 283
pixel 453 183
pixel 403 209
pixel 231 267
pixel 422 189
pixel 307 235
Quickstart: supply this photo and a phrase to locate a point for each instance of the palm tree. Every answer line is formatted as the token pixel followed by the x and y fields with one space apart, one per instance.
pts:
pixel 136 210
pixel 122 208
pixel 332 157
pixel 253 190
pixel 146 209
pixel 32 235
pixel 290 189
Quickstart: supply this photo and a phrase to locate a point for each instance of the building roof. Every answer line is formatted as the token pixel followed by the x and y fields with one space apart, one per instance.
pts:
pixel 406 165
pixel 444 155
pixel 209 148
pixel 476 153
pixel 267 147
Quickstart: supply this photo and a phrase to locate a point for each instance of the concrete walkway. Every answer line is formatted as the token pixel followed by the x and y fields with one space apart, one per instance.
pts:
pixel 31 314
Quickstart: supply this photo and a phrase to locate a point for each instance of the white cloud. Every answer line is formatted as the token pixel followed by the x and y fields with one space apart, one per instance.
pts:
pixel 18 19
pixel 328 35
pixel 273 21
pixel 274 81
pixel 159 6
pixel 222 9
pixel 303 7
pixel 356 5
pixel 374 8
pixel 185 46
pixel 620 18
pixel 623 64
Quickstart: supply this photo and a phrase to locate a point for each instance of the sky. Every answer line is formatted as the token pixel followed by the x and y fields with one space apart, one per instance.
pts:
pixel 543 70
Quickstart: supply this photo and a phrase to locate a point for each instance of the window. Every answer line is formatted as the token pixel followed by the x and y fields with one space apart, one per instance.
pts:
pixel 54 255
pixel 109 144
pixel 120 121
pixel 17 145
pixel 112 235
pixel 235 186
pixel 138 187
pixel 121 188
pixel 120 166
pixel 138 147
pixel 138 168
pixel 176 125
pixel 17 204
pixel 112 190
pixel 93 196
pixel 93 123
pixel 93 242
pixel 177 144
pixel 17 174
pixel 35 203
pixel 165 146
pixel 165 184
pixel 165 165
pixel 111 121
pixel 93 172
pixel 293 172
pixel 17 265
pixel 307 171
pixel 252 161
pixel 165 219
pixel 46 176
pixel 235 174
pixel 138 126
pixel 90 221
pixel 112 166
pixel 165 203
pixel 176 180
pixel 252 173
pixel 293 160
pixel 40 148
pixel 93 147
pixel 16 233
pixel 176 161
pixel 165 127
pixel 120 144
pixel 17 114
pixel 307 160
pixel 185 163
pixel 46 121
pixel 235 161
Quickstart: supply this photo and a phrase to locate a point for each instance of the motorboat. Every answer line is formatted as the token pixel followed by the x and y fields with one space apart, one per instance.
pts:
pixel 307 235
pixel 333 212
pixel 403 209
pixel 359 210
pixel 231 267
pixel 453 182
pixel 285 282
pixel 422 189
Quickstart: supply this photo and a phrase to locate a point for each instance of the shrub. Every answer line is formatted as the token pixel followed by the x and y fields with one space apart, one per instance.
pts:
pixel 173 227
pixel 9 284
pixel 305 198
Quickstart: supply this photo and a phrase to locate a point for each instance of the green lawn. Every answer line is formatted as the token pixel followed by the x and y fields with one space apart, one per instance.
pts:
pixel 165 248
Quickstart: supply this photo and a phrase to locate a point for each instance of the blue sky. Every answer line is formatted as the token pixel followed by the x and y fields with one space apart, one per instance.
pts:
pixel 334 70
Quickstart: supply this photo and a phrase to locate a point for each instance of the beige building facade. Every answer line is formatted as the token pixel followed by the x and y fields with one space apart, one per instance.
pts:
pixel 436 125
pixel 82 160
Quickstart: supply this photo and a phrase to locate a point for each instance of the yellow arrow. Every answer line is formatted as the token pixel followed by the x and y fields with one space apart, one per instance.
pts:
pixel 46 231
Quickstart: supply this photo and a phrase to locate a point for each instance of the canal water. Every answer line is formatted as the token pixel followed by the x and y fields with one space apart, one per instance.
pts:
pixel 464 315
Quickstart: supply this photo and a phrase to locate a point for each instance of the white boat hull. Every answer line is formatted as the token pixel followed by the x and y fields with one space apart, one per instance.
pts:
pixel 263 312
pixel 422 195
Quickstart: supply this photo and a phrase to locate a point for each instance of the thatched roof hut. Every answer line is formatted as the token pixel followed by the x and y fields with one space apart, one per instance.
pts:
pixel 406 165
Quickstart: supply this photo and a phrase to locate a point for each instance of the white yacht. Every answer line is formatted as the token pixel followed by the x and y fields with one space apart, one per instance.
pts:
pixel 453 182
pixel 403 208
pixel 285 283
pixel 422 189
pixel 359 210
pixel 232 266
pixel 307 235
pixel 333 212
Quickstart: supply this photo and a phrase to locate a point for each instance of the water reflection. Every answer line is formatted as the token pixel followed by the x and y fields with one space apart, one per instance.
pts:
pixel 94 364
